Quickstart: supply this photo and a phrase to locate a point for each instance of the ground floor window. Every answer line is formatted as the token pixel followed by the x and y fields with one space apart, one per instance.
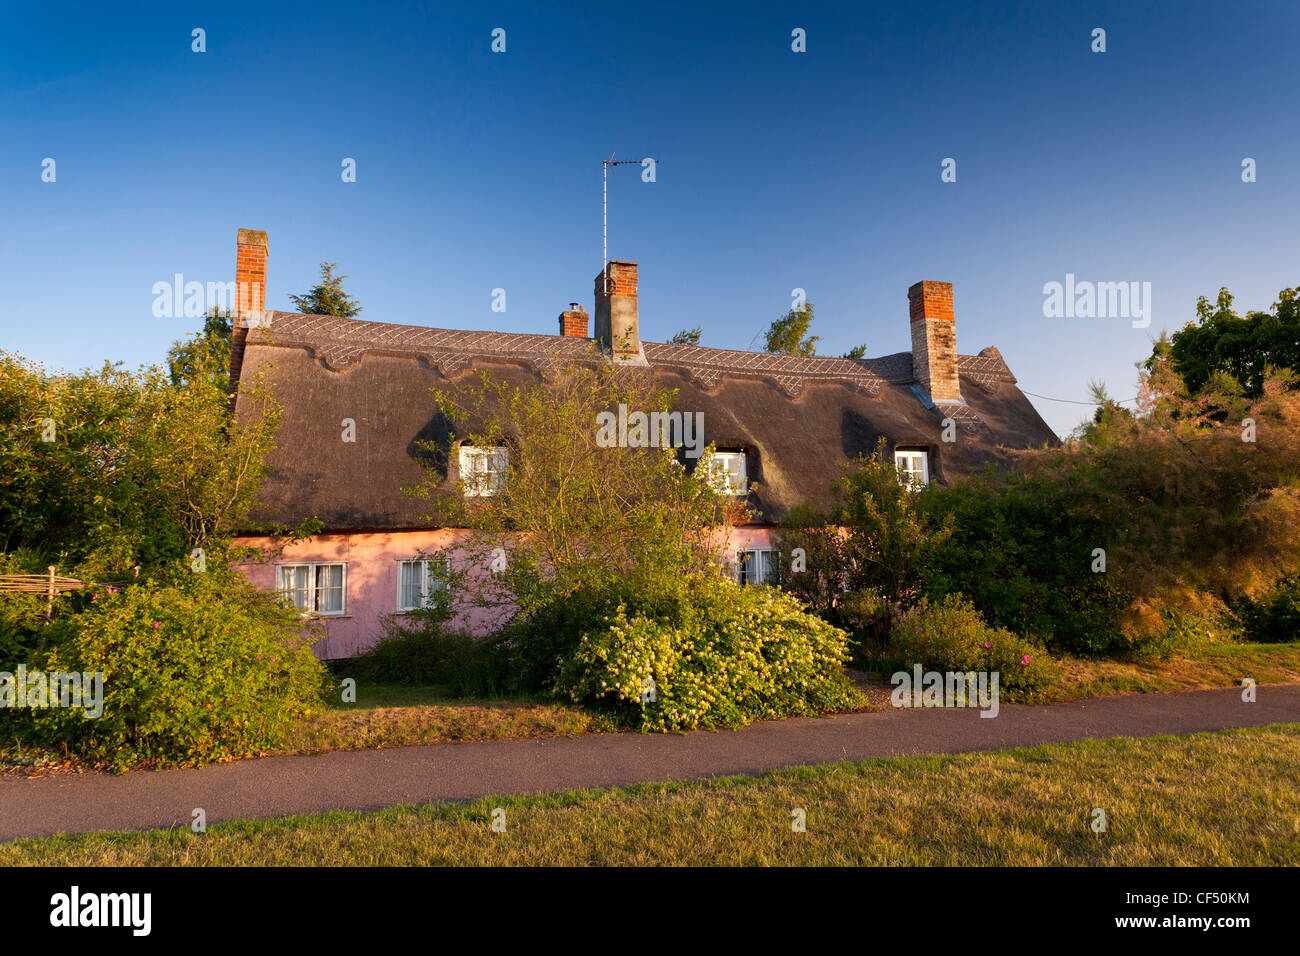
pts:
pixel 417 580
pixel 758 565
pixel 313 588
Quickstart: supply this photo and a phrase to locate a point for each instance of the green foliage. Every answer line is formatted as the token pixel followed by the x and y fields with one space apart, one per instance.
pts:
pixel 108 475
pixel 1274 616
pixel 138 472
pixel 1022 549
pixel 858 352
pixel 585 527
pixel 327 296
pixel 723 656
pixel 1111 423
pixel 614 558
pixel 1243 347
pixel 687 337
pixel 788 335
pixel 866 551
pixel 197 667
pixel 419 648
pixel 950 635
pixel 204 355
pixel 1187 512
pixel 1176 630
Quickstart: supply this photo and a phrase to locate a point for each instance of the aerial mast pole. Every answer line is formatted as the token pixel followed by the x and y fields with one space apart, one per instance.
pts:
pixel 604 213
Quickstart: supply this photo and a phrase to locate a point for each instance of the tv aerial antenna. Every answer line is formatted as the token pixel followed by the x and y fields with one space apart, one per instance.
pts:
pixel 605 165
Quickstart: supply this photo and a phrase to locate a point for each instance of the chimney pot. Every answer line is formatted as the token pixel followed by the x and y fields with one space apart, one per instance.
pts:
pixel 573 322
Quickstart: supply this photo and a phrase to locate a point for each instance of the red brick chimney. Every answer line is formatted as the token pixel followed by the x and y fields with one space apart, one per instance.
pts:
pixel 573 322
pixel 617 325
pixel 250 293
pixel 934 341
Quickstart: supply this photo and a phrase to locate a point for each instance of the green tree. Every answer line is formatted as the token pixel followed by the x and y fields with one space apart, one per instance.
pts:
pixel 1244 347
pixel 857 352
pixel 687 337
pixel 587 526
pixel 207 350
pixel 107 470
pixel 1111 422
pixel 786 335
pixel 327 296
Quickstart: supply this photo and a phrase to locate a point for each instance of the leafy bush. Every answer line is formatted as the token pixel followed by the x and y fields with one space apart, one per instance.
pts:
pixel 950 635
pixel 1275 616
pixel 197 668
pixel 1173 628
pixel 420 649
pixel 1022 552
pixel 865 553
pixel 727 656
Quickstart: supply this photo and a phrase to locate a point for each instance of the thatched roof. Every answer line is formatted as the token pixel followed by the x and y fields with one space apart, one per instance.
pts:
pixel 799 419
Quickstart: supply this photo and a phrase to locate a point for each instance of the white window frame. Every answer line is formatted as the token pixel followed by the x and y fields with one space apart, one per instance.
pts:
pixel 424 579
pixel 774 565
pixel 311 586
pixel 495 455
pixel 720 475
pixel 906 472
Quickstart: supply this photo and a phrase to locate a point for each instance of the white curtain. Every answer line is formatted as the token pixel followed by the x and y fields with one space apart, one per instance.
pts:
pixel 412 589
pixel 329 588
pixel 295 584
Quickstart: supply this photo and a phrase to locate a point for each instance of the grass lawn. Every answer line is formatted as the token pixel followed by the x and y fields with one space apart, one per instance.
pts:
pixel 1230 798
pixel 388 715
pixel 1214 665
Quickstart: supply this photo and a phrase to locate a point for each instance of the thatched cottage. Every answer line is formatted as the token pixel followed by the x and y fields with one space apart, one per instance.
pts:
pixel 787 424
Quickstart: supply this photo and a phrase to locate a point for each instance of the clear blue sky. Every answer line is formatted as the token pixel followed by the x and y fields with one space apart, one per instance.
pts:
pixel 818 170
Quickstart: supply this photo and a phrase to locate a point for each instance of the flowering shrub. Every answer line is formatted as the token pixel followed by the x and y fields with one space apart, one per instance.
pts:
pixel 197 668
pixel 950 635
pixel 730 655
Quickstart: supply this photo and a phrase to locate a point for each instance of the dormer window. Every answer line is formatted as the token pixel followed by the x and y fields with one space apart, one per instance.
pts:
pixel 483 470
pixel 728 475
pixel 913 467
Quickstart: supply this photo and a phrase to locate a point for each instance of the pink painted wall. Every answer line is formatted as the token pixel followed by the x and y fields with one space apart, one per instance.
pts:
pixel 372 560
